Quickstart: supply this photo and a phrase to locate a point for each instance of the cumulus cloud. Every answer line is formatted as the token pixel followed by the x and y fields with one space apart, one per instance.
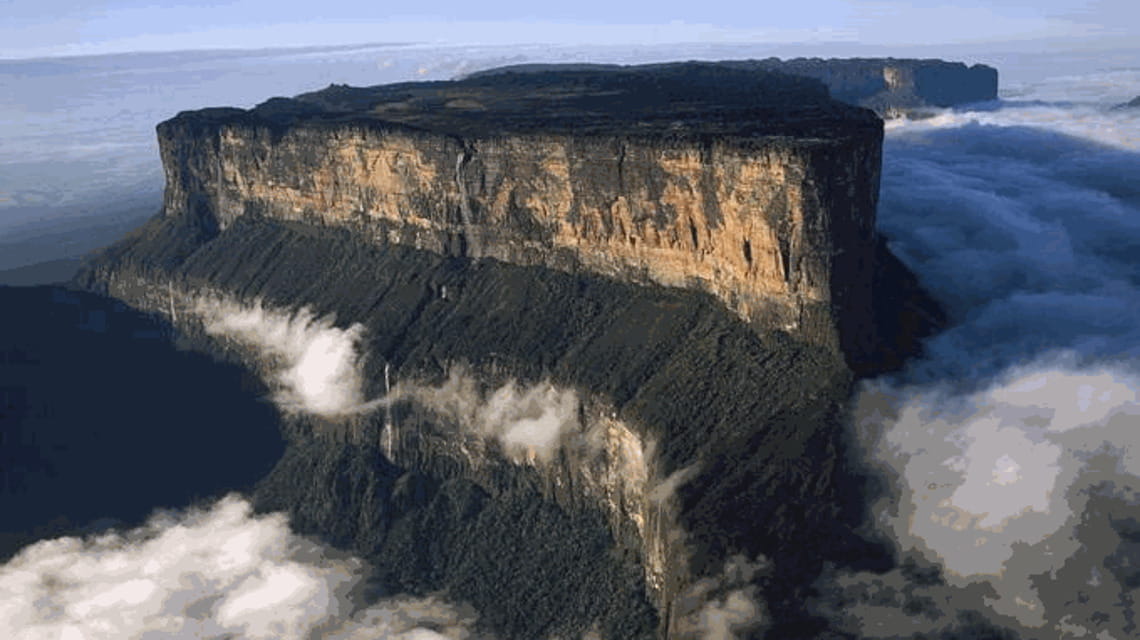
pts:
pixel 1012 448
pixel 220 573
pixel 315 366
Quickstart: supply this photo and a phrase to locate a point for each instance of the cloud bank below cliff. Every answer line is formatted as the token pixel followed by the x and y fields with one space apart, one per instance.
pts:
pixel 1028 235
pixel 1013 449
pixel 315 367
pixel 220 572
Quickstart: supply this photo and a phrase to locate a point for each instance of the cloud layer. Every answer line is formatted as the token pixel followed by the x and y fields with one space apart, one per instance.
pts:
pixel 996 485
pixel 1026 234
pixel 1013 449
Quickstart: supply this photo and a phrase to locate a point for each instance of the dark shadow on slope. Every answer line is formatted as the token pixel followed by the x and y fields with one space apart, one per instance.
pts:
pixel 58 272
pixel 103 420
pixel 531 567
pixel 70 232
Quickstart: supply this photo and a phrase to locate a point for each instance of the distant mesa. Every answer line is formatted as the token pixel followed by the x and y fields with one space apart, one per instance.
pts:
pixel 890 86
pixel 897 86
pixel 1131 104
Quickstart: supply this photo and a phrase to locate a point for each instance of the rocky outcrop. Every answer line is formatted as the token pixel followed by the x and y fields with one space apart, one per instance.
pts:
pixel 752 186
pixel 890 86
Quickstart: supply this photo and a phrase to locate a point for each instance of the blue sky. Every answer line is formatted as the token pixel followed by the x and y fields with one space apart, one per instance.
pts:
pixel 60 27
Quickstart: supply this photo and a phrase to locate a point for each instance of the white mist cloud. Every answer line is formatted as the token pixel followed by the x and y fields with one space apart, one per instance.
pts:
pixel 668 487
pixel 316 367
pixel 528 422
pixel 531 418
pixel 217 573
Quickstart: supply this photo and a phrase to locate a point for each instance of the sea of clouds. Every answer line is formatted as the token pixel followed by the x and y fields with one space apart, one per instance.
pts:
pixel 1012 450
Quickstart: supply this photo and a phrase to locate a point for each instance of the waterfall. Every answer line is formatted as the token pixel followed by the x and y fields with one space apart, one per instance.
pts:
pixel 389 435
pixel 473 249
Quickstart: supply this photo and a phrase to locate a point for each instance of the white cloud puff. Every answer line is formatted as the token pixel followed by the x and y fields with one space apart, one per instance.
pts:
pixel 217 573
pixel 316 366
pixel 725 606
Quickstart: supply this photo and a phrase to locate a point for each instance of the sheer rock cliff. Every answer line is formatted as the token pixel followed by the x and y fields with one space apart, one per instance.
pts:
pixel 749 185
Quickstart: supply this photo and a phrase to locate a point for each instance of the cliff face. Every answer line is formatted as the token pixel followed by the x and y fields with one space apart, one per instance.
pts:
pixel 520 228
pixel 770 210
